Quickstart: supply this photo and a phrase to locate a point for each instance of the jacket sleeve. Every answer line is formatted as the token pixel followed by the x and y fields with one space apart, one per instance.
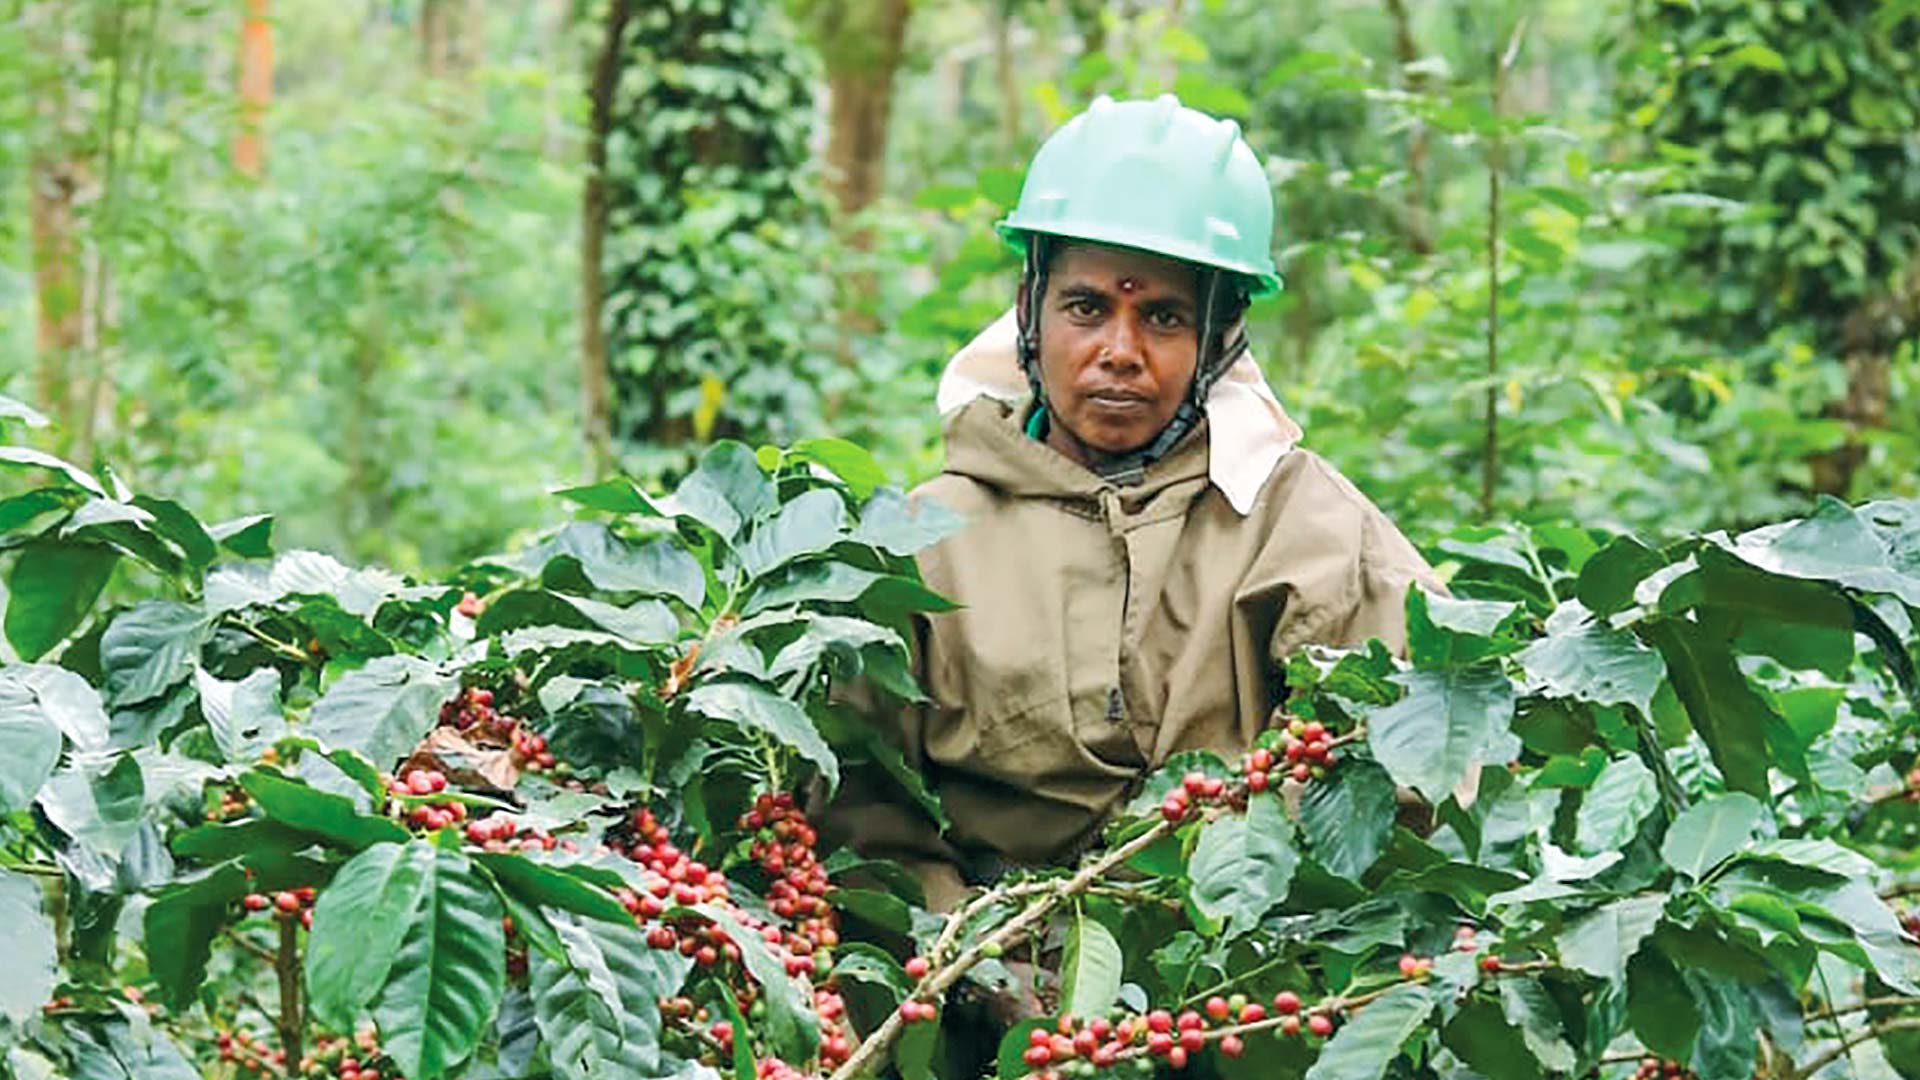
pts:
pixel 1389 565
pixel 874 814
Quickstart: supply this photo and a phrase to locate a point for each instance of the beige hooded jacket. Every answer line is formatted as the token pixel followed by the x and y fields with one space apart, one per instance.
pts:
pixel 1103 629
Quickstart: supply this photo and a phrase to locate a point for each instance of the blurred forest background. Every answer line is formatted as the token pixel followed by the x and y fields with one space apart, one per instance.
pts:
pixel 392 269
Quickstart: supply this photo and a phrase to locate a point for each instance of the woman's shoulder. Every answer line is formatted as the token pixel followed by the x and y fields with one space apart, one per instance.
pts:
pixel 1306 491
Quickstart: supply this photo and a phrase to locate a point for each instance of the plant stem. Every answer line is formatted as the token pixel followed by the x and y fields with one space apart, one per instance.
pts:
pixel 288 966
pixel 284 648
pixel 1010 932
pixel 1862 1006
pixel 259 951
pixel 1229 982
pixel 1866 1034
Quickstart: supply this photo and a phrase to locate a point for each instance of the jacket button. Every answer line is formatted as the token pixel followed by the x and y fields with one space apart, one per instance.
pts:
pixel 1116 706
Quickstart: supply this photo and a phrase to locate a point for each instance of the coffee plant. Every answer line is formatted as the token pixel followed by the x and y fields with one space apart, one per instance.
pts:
pixel 1622 810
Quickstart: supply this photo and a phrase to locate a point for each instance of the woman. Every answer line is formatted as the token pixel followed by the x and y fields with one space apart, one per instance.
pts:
pixel 1144 545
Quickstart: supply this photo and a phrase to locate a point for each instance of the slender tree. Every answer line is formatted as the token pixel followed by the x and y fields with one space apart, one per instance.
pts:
pixel 256 88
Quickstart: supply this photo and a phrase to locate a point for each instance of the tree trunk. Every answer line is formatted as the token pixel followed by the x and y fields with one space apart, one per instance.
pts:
pixel 1007 80
pixel 595 387
pixel 1868 338
pixel 862 54
pixel 436 36
pixel 1419 225
pixel 57 176
pixel 1087 22
pixel 256 89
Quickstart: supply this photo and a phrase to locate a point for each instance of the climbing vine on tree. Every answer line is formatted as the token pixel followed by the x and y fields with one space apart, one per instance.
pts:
pixel 552 815
pixel 712 300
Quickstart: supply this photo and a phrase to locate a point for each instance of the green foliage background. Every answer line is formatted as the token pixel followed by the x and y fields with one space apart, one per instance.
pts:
pixel 379 341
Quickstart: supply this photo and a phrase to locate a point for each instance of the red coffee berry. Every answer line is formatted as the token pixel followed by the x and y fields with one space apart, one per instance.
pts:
pixel 1286 1003
pixel 1217 1008
pixel 1160 1021
pixel 1320 1024
pixel 1232 1046
pixel 917 967
pixel 1252 1012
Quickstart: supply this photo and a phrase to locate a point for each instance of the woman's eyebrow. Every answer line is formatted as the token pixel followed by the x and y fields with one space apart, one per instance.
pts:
pixel 1082 292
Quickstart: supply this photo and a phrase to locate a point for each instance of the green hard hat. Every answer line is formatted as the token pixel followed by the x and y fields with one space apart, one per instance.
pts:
pixel 1157 176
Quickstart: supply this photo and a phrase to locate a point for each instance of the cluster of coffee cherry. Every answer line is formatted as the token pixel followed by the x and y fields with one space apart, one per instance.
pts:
pixel 1654 1068
pixel 1195 788
pixel 1100 1043
pixel 415 783
pixel 250 1054
pixel 471 712
pixel 235 803
pixel 285 904
pixel 498 832
pixel 343 1058
pixel 1306 750
pixel 782 844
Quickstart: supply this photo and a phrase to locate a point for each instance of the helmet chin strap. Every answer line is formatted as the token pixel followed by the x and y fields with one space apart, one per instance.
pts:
pixel 1222 341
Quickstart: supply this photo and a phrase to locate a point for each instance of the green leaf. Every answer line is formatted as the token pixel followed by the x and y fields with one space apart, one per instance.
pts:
pixel 1803 624
pixel 756 708
pixel 898 525
pixel 150 648
pixel 50 590
pixel 861 962
pixel 1613 808
pixel 1446 722
pixel 1480 1036
pixel 791 1029
pixel 1589 661
pixel 1090 970
pixel 1528 1007
pixel 447 978
pixel 327 816
pixel 1242 866
pixel 597 1006
pixel 1731 718
pixel 1444 633
pixel 1815 855
pixel 249 537
pixel 1348 817
pixel 1833 544
pixel 1709 832
pixel 658 567
pixel 1602 941
pixel 1608 579
pixel 1367 1044
pixel 359 921
pixel 538 885
pixel 808 525
pixel 21 510
pixel 1729 1028
pixel 1660 1007
pixel 29 741
pixel 180 926
pixel 14 409
pixel 24 457
pixel 244 716
pixel 382 710
pixel 725 492
pixel 179 527
pixel 27 941
pixel 127 1047
pixel 851 462
pixel 882 909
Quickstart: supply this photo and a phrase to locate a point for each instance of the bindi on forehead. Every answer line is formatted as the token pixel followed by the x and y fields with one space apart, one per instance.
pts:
pixel 1128 285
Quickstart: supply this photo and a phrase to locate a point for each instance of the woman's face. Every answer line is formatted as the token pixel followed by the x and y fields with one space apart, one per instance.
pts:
pixel 1119 341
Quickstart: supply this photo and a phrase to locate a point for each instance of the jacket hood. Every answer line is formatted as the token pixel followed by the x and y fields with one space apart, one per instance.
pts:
pixel 986 441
